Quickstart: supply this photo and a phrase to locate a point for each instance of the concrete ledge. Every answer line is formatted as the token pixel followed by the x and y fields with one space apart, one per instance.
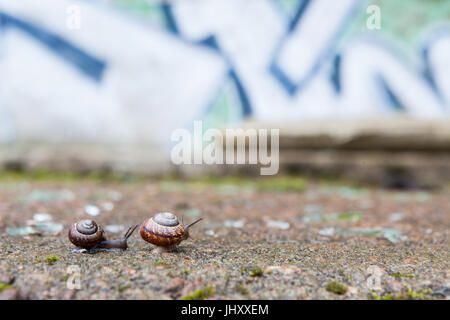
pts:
pixel 404 150
pixel 85 157
pixel 393 133
pixel 397 152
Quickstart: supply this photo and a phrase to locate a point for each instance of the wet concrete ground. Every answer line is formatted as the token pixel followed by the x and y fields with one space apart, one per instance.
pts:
pixel 260 239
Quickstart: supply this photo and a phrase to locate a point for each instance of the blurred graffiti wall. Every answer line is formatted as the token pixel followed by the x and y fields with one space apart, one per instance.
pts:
pixel 130 71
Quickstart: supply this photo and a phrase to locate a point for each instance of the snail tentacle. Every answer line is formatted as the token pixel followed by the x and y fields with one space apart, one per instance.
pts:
pixel 130 231
pixel 192 223
pixel 117 243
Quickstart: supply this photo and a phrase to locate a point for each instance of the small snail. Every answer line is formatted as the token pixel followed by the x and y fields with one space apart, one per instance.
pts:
pixel 87 234
pixel 165 230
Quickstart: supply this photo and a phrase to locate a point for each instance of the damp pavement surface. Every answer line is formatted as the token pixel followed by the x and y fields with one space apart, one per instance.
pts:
pixel 260 239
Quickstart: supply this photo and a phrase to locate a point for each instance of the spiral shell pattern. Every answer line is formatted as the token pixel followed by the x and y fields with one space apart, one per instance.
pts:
pixel 156 231
pixel 86 234
pixel 166 219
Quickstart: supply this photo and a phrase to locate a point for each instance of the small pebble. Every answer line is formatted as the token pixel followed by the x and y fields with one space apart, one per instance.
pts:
pixel 114 228
pixel 326 232
pixel 42 217
pixel 79 250
pixel 234 223
pixel 395 237
pixel 278 224
pixel 92 210
pixel 50 227
pixel 21 231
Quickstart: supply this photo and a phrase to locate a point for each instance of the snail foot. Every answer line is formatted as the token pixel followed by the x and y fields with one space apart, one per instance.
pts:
pixel 93 250
pixel 160 250
pixel 173 248
pixel 98 249
pixel 79 250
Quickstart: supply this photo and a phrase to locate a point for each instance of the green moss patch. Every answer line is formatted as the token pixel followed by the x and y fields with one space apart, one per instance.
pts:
pixel 240 288
pixel 253 271
pixel 38 175
pixel 51 260
pixel 199 294
pixel 4 286
pixel 336 287
pixel 425 294
pixel 160 263
pixel 282 184
pixel 230 184
pixel 399 275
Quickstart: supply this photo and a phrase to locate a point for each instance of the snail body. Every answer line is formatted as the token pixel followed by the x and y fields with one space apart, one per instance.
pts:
pixel 87 234
pixel 165 230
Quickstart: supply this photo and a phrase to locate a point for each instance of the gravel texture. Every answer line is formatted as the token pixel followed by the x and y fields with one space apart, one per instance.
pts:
pixel 260 239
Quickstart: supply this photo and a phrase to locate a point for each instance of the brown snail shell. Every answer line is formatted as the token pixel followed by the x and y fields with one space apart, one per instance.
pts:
pixel 165 230
pixel 86 234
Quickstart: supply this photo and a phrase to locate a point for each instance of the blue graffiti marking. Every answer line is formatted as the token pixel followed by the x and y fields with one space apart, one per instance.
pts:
pixel 429 76
pixel 211 43
pixel 290 85
pixel 88 64
pixel 392 99
pixel 335 76
pixel 298 15
pixel 246 106
pixel 170 20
